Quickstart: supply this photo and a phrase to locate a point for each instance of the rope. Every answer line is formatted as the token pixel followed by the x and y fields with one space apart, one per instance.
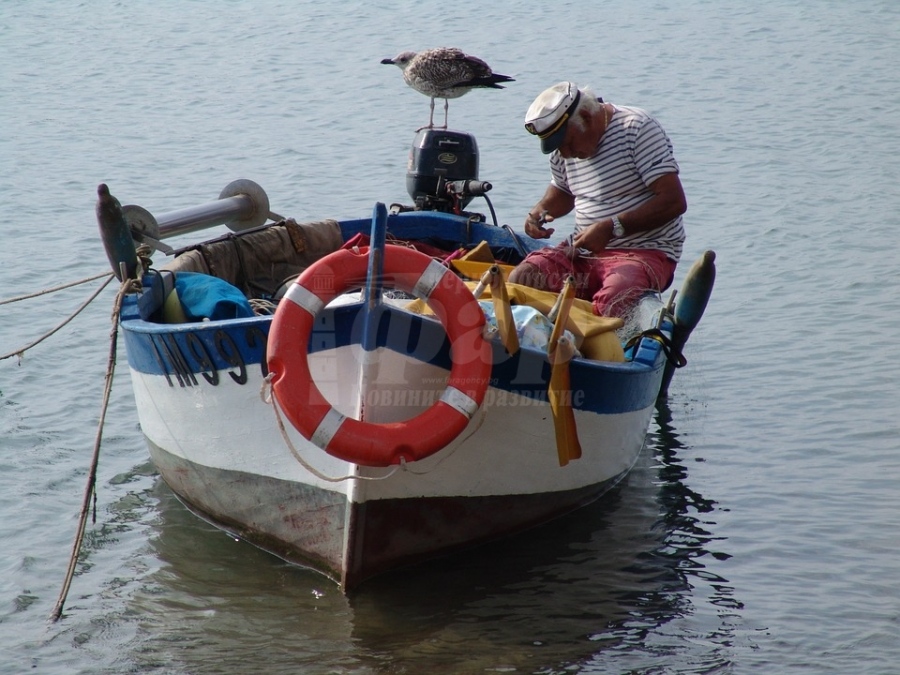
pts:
pixel 90 489
pixel 262 307
pixel 19 352
pixel 55 288
pixel 267 397
pixel 447 454
pixel 675 357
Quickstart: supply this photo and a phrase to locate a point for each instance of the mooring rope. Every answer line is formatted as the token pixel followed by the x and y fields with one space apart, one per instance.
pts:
pixel 129 285
pixel 55 288
pixel 268 397
pixel 19 352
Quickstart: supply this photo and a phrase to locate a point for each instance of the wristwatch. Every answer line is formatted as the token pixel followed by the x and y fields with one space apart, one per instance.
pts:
pixel 618 228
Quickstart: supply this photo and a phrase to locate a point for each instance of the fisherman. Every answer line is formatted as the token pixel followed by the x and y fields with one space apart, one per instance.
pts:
pixel 614 165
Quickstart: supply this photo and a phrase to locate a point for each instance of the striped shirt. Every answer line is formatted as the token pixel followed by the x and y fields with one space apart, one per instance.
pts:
pixel 633 152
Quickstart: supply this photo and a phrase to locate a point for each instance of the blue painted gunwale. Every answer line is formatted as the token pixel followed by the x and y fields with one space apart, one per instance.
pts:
pixel 224 353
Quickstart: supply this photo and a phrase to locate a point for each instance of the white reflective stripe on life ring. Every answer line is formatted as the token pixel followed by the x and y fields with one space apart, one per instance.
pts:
pixel 431 277
pixel 459 401
pixel 300 296
pixel 327 428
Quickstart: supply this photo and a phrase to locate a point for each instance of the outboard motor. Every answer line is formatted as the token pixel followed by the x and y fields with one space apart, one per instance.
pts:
pixel 442 173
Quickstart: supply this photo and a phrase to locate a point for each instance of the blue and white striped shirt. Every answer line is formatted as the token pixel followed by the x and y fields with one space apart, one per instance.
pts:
pixel 633 152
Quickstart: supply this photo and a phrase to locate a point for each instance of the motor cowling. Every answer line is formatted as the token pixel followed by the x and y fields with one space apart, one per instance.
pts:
pixel 439 157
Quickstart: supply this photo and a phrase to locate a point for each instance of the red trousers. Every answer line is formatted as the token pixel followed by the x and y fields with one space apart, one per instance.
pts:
pixel 612 280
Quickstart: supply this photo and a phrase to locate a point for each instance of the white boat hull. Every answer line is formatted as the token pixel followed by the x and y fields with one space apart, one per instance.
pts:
pixel 206 410
pixel 222 451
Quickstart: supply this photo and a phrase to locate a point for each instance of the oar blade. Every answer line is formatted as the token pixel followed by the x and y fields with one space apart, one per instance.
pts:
pixel 559 393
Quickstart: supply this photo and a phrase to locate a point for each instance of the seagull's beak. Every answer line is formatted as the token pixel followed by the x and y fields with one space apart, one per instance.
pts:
pixel 388 61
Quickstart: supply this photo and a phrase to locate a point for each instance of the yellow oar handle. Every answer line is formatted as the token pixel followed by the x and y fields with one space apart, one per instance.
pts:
pixel 559 314
pixel 506 325
pixel 485 281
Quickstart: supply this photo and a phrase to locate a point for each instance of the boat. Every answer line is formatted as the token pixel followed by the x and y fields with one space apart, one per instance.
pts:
pixel 361 395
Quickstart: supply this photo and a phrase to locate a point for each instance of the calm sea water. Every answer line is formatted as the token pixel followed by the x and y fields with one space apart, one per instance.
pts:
pixel 760 530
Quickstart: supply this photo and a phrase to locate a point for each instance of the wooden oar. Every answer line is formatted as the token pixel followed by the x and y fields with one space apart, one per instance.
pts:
pixel 560 351
pixel 560 394
pixel 506 325
pixel 483 283
pixel 503 312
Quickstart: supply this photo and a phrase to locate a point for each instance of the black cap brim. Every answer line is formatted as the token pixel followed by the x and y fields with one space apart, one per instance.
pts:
pixel 554 140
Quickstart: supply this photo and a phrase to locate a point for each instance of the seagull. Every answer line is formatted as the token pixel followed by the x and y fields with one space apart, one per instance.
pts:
pixel 445 72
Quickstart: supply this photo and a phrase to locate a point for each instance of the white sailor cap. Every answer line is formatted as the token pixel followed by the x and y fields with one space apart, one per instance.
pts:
pixel 549 114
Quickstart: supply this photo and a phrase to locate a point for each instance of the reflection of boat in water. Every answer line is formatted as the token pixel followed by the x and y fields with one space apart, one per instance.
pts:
pixel 595 586
pixel 610 583
pixel 412 429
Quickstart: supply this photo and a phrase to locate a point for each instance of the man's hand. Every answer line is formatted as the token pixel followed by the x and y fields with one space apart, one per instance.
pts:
pixel 534 225
pixel 595 236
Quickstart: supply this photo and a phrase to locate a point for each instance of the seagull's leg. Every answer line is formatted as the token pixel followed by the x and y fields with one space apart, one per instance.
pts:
pixel 446 105
pixel 431 116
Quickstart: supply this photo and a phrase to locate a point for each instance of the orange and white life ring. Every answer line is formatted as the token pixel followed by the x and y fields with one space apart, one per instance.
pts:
pixel 356 441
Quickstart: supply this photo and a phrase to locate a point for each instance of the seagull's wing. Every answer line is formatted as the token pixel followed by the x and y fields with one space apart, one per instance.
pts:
pixel 447 67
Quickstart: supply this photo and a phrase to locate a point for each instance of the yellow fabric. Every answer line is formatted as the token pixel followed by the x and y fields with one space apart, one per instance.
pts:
pixel 473 269
pixel 603 347
pixel 595 335
pixel 481 253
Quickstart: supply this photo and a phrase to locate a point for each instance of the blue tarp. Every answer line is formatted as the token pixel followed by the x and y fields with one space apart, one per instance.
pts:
pixel 206 297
